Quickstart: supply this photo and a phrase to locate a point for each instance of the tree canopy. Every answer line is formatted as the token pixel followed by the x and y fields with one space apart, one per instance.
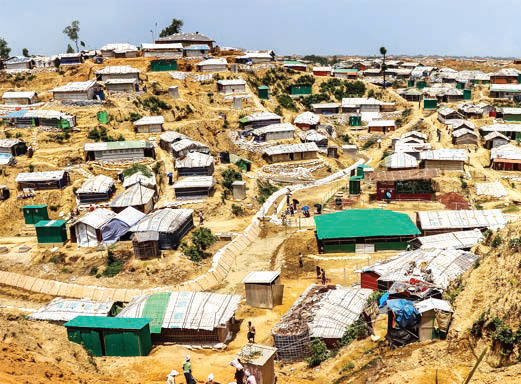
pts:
pixel 174 27
pixel 25 52
pixel 72 31
pixel 4 49
pixel 70 49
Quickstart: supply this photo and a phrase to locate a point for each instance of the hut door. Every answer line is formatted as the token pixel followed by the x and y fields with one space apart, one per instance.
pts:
pixel 278 293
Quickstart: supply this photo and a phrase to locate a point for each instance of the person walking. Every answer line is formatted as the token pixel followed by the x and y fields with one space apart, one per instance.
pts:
pixel 300 262
pixel 323 276
pixel 319 273
pixel 187 370
pixel 251 333
pixel 201 218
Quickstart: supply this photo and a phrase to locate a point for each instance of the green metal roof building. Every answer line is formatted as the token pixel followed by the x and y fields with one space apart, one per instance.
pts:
pixel 51 231
pixel 111 336
pixel 35 213
pixel 264 92
pixel 364 231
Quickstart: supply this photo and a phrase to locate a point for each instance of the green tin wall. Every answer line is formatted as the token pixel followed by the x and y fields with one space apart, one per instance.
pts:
pixel 163 65
pixel 339 248
pixel 264 94
pixel 47 235
pixel 301 89
pixel 90 339
pixel 33 215
pixel 430 103
pixel 512 118
pixel 354 187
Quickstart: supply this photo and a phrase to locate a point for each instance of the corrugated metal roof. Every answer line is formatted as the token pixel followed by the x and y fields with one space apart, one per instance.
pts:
pixel 139 177
pixel 291 148
pixel 510 111
pixel 501 128
pixel 507 151
pixel 259 116
pixel 117 70
pixel 152 47
pixel 8 143
pixel 189 310
pixel 135 195
pixel 434 220
pixel 39 176
pixel 187 37
pixel 382 123
pixel 464 131
pixel 61 309
pixel 445 154
pixel 325 105
pixel 107 322
pixel 18 59
pixel 433 304
pixel 121 81
pixel 185 144
pixel 163 220
pixel 114 145
pixel 232 82
pixel 50 223
pixel 195 182
pixel 38 113
pixel 364 223
pixel 194 160
pixel 283 127
pixel 218 61
pixel 170 137
pixel 76 86
pixel 358 101
pixel 307 118
pixel 97 218
pixel 146 120
pixel 505 87
pixel 97 184
pixel 494 135
pixel 455 240
pixel 119 47
pixel 261 277
pixel 415 133
pixel 18 95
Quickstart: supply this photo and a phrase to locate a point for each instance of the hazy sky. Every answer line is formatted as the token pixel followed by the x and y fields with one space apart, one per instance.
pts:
pixel 455 27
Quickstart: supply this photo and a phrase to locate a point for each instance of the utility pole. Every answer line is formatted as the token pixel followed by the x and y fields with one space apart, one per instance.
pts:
pixel 153 40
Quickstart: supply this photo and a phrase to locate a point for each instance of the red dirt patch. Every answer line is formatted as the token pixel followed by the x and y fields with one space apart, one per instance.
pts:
pixel 454 201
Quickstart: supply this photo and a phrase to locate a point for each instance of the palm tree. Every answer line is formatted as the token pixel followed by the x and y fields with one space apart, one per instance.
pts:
pixel 383 52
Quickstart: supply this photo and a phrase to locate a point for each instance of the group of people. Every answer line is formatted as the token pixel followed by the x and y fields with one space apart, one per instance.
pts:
pixel 321 275
pixel 241 376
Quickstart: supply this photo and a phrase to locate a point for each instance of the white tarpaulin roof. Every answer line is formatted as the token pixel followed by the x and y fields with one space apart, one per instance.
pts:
pixel 39 176
pixel 261 277
pixel 150 120
pixel 433 220
pixel 61 309
pixel 495 189
pixel 456 240
pixel 18 95
pixel 400 160
pixel 97 218
pixel 194 160
pixel 135 195
pixel 163 220
pixel 97 184
pixel 130 216
pixel 307 118
pixel 117 70
pixel 291 148
pixel 138 177
pixel 431 303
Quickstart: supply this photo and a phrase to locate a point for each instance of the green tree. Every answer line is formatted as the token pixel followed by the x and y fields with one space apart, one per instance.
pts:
pixel 203 238
pixel 383 52
pixel 72 31
pixel 174 27
pixel 4 49
pixel 70 49
pixel 25 52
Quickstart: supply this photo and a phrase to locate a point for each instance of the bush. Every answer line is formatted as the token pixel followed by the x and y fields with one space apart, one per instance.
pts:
pixel 237 210
pixel 496 242
pixel 154 104
pixel 156 167
pixel 8 134
pixel 305 80
pixel 134 168
pixel 94 134
pixel 93 271
pixel 354 88
pixel 356 331
pixel 203 238
pixel 286 102
pixel 265 190
pixel 319 353
pixel 278 110
pixel 114 266
pixel 368 144
pixel 134 116
pixel 229 176
pixel 370 93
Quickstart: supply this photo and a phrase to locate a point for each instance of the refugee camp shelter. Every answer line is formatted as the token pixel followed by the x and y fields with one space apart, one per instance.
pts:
pixel 321 71
pixel 322 312
pixel 187 39
pixel 185 146
pixel 86 231
pixel 194 187
pixel 20 98
pixel 136 196
pixel 194 164
pixel 149 124
pixel 119 150
pixel 163 51
pixel 51 231
pixel 239 190
pixel 117 227
pixel 212 65
pixel 68 59
pixel 436 222
pixel 437 267
pixel 495 139
pixel 111 336
pixel 364 231
pixel 119 50
pixel 273 132
pixel 291 152
pixel 96 189
pixel 171 225
pixel 113 72
pixel 19 63
pixel 259 120
pixel 345 73
pixel 400 161
pixel 295 65
pixel 456 240
pixel 435 315
pixel 35 213
pixel 121 85
pixel 146 245
pixel 464 136
pixel 506 158
pixel 444 159
pixel 196 51
pixel 326 108
pixel 140 178
pixel 263 92
pixel 77 91
pixel 260 361
pixel 25 118
pixel 168 138
pixel 61 310
pixel 263 289
pixel 382 126
pixel 13 147
pixel 408 184
pixel 42 180
pixel 185 317
pixel 315 137
pixel 307 120
pixel 228 87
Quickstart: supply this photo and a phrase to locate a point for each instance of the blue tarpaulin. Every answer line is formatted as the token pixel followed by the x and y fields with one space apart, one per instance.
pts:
pixel 406 315
pixel 383 300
